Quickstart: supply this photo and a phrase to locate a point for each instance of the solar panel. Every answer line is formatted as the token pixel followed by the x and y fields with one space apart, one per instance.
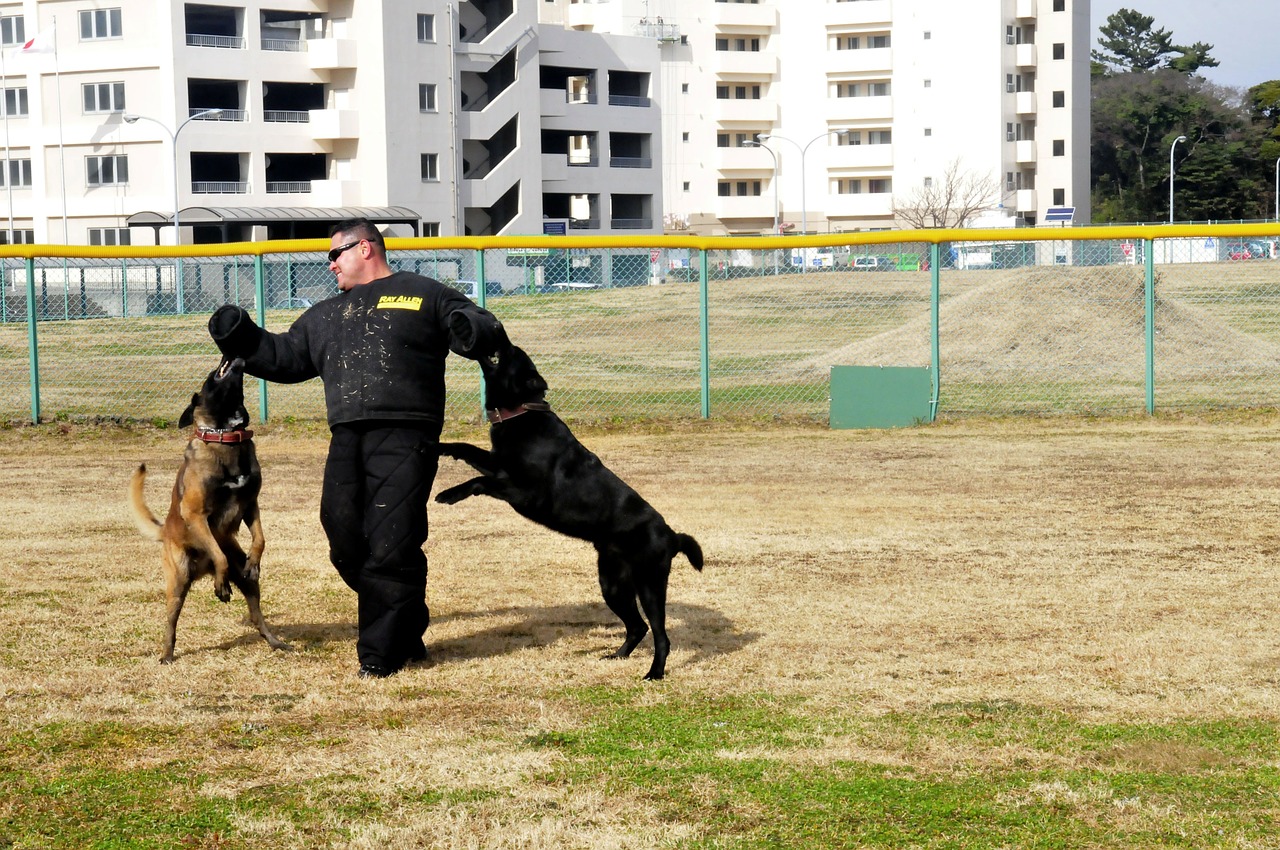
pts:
pixel 1060 214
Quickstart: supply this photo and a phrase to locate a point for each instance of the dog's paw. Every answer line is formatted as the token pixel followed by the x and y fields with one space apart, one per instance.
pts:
pixel 451 496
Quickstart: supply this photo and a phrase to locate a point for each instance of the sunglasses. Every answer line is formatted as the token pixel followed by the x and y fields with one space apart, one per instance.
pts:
pixel 337 252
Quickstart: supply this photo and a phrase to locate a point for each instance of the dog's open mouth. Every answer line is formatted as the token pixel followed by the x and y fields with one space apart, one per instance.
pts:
pixel 228 366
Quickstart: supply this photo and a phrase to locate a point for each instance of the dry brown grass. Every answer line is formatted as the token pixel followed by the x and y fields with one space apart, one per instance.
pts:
pixel 1112 570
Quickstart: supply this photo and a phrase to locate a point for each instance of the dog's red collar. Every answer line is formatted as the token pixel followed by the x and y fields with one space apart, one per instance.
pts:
pixel 502 414
pixel 212 435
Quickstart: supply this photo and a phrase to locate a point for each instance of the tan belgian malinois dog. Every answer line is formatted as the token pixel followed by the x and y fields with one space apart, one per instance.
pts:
pixel 216 490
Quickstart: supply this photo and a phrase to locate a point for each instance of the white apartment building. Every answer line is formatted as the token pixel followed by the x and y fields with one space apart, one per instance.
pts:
pixel 863 102
pixel 276 118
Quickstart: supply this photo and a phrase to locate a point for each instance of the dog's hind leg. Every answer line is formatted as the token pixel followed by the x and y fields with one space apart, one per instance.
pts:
pixel 252 597
pixel 177 583
pixel 620 596
pixel 653 596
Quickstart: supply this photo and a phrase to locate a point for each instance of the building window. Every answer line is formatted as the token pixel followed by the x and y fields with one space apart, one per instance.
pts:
pixel 685 186
pixel 738 188
pixel 881 186
pixel 1059 99
pixel 430 228
pixel 109 236
pixel 1008 83
pixel 928 84
pixel 430 167
pixel 684 137
pixel 1059 50
pixel 103 97
pixel 426 28
pixel 878 89
pixel 684 88
pixel 927 35
pixel 1059 197
pixel 849 187
pixel 20 237
pixel 18 173
pixel 722 140
pixel 879 137
pixel 1059 5
pixel 427 97
pixel 722 92
pixel 722 44
pixel 100 23
pixel 107 170
pixel 928 131
pixel 13 30
pixel 722 189
pixel 877 41
pixel 1059 147
pixel 928 182
pixel 15 101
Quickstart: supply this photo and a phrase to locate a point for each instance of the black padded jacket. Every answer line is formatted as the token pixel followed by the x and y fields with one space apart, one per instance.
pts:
pixel 379 347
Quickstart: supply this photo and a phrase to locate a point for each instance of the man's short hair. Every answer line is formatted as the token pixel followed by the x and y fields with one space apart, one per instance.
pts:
pixel 361 228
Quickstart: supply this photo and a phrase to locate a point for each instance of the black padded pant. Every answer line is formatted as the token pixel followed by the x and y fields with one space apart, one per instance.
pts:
pixel 373 507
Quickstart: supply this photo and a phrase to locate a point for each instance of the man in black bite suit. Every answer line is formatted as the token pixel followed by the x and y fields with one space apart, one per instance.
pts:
pixel 379 346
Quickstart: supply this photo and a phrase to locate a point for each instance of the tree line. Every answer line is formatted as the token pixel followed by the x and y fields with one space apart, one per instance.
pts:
pixel 1146 92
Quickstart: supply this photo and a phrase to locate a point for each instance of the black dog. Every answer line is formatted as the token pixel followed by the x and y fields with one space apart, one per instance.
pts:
pixel 539 468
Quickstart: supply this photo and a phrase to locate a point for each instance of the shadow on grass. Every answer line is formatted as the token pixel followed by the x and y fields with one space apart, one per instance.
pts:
pixel 705 632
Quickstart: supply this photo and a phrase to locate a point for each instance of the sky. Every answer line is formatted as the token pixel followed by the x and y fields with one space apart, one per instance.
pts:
pixel 1243 33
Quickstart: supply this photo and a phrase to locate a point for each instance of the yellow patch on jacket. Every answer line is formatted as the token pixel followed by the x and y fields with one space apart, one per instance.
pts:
pixel 399 302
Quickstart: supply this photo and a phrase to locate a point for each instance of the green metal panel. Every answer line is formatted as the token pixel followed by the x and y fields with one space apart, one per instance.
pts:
pixel 880 396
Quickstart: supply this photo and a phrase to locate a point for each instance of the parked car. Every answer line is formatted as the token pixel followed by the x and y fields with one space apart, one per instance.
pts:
pixel 1247 251
pixel 871 264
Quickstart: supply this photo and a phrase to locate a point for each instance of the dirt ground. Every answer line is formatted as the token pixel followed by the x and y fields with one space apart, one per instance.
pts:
pixel 1120 569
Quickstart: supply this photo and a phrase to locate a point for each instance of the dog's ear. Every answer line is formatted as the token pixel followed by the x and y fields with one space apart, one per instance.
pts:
pixel 187 419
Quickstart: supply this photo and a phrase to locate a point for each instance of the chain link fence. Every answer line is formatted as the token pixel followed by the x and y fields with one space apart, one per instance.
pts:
pixel 1041 327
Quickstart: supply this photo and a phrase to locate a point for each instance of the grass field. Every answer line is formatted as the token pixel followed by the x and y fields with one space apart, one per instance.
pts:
pixel 1044 633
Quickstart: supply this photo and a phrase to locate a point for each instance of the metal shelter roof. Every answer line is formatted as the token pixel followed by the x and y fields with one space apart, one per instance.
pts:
pixel 200 216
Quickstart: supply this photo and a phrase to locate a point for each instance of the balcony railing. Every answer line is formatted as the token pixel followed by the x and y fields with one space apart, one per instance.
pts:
pixel 287 45
pixel 583 97
pixel 629 100
pixel 584 224
pixel 226 42
pixel 631 223
pixel 289 187
pixel 219 187
pixel 224 115
pixel 631 161
pixel 286 116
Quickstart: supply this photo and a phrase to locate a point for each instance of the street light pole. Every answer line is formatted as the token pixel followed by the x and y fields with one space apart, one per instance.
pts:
pixel 773 156
pixel 1171 149
pixel 131 118
pixel 804 206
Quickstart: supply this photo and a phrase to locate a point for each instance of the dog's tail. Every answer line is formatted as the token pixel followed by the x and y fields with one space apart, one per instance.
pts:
pixel 686 544
pixel 146 521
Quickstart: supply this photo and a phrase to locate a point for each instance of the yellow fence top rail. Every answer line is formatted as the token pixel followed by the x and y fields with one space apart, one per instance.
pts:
pixel 1127 233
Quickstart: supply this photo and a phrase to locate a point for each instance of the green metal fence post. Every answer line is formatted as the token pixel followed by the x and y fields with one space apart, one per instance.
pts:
pixel 1149 291
pixel 935 317
pixel 704 334
pixel 260 302
pixel 33 351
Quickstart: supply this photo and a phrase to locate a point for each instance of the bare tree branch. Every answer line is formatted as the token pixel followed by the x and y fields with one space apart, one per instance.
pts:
pixel 950 201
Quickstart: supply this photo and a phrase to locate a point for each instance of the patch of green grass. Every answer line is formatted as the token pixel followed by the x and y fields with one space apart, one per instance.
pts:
pixel 751 772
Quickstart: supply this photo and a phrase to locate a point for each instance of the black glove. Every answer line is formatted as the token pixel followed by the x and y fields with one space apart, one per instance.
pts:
pixel 475 333
pixel 234 332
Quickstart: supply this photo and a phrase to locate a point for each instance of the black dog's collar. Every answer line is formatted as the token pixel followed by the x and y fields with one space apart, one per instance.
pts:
pixel 502 414
pixel 213 435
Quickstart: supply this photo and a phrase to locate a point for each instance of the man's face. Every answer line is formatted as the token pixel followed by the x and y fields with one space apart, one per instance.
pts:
pixel 347 256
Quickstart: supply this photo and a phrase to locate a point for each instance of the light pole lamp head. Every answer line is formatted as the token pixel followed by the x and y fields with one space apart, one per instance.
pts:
pixel 1180 139
pixel 747 143
pixel 130 118
pixel 763 137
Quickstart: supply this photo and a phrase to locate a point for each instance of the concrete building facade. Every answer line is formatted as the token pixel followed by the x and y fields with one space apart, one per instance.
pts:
pixel 863 103
pixel 281 116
